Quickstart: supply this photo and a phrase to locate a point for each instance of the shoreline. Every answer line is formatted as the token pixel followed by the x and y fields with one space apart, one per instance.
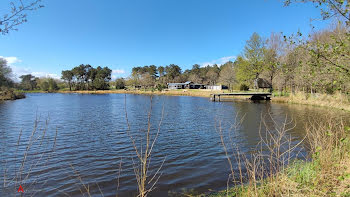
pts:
pixel 336 101
pixel 205 94
pixel 10 95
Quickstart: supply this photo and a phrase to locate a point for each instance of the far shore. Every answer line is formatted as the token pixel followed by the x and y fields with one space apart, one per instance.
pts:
pixel 184 92
pixel 335 101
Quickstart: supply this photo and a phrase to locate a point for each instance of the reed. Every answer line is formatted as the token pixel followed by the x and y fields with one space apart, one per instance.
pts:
pixel 273 168
pixel 36 154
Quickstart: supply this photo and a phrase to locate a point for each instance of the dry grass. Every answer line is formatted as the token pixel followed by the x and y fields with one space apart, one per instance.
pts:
pixel 336 101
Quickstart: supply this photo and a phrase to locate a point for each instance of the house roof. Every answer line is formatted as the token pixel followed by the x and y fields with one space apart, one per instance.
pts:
pixel 176 83
pixel 186 83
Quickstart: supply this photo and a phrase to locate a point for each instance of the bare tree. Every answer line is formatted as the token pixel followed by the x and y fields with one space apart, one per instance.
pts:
pixel 143 145
pixel 329 8
pixel 18 14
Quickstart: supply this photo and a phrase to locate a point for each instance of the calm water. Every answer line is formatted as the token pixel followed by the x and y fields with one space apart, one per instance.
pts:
pixel 91 137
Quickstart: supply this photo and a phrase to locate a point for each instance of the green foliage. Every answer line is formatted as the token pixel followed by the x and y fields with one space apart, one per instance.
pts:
pixel 243 70
pixel 150 76
pixel 47 84
pixel 29 82
pixel 5 74
pixel 254 54
pixel 304 173
pixel 173 73
pixel 120 83
pixel 44 86
pixel 85 77
pixel 67 75
pixel 243 87
pixel 344 176
pixel 161 87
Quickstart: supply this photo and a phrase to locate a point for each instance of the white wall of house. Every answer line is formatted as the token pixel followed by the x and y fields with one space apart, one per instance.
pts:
pixel 219 87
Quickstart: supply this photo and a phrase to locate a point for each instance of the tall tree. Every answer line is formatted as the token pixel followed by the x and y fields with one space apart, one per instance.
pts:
pixel 28 82
pixel 272 55
pixel 254 53
pixel 67 75
pixel 103 76
pixel 227 74
pixel 5 73
pixel 161 71
pixel 212 75
pixel 120 83
pixel 173 72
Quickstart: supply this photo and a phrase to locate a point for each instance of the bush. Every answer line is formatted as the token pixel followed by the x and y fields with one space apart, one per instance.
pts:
pixel 161 87
pixel 330 90
pixel 119 83
pixel 243 87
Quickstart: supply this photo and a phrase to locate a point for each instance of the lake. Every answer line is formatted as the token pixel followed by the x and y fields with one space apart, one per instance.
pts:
pixel 92 141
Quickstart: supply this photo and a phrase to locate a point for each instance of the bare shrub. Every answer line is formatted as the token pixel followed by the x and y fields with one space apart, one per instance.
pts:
pixel 143 145
pixel 36 154
pixel 272 155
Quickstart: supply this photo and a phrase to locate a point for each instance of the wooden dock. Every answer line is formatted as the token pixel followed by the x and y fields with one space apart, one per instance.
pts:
pixel 254 95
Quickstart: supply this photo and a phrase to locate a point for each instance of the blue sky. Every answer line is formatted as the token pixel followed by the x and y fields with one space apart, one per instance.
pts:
pixel 122 34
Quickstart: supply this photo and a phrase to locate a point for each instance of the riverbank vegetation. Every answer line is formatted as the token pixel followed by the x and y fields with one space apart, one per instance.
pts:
pixel 319 64
pixel 276 171
pixel 7 91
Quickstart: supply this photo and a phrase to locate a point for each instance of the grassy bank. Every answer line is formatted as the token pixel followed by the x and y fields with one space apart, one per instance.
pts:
pixel 11 95
pixel 336 101
pixel 326 172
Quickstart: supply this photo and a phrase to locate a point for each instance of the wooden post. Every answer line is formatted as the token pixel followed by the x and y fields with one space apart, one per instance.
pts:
pixel 219 97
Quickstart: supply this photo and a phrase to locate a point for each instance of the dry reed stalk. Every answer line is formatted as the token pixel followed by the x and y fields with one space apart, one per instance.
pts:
pixel 145 183
pixel 28 163
pixel 87 187
pixel 267 160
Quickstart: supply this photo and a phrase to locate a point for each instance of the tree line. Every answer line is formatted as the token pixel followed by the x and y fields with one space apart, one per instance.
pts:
pixel 82 77
pixel 319 62
pixel 28 82
pixel 86 77
pixel 153 76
